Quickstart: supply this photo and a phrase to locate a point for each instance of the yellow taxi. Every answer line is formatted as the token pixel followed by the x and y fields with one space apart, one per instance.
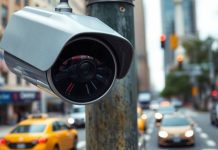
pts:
pixel 40 133
pixel 176 130
pixel 141 120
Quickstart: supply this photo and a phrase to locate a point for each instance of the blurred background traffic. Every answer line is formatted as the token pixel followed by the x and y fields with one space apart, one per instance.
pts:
pixel 176 53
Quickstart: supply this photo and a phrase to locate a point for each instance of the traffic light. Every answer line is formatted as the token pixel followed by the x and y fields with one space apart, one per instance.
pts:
pixel 214 91
pixel 174 41
pixel 195 91
pixel 180 59
pixel 163 41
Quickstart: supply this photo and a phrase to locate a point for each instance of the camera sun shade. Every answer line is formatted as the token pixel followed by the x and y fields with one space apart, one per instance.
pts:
pixel 75 57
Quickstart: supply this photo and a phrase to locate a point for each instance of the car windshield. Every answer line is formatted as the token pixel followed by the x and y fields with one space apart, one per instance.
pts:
pixel 165 110
pixel 175 122
pixel 78 109
pixel 29 128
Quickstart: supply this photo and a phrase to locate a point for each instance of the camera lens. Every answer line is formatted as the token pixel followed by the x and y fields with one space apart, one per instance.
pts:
pixel 87 70
pixel 84 72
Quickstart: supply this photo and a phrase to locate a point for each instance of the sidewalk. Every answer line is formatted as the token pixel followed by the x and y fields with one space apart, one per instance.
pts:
pixel 4 130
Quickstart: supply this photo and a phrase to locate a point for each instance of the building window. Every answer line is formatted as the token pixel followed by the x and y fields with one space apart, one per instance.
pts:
pixel 18 80
pixel 5 76
pixel 4 15
pixel 18 2
pixel 26 2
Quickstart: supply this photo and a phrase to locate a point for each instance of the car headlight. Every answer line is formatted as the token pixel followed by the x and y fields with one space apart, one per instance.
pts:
pixel 163 134
pixel 158 116
pixel 71 121
pixel 154 106
pixel 189 133
pixel 144 116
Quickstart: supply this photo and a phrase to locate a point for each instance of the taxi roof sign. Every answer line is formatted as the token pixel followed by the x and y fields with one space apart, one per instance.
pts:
pixel 37 116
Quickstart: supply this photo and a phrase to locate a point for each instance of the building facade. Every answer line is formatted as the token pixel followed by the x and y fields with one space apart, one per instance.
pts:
pixel 17 97
pixel 140 47
pixel 168 25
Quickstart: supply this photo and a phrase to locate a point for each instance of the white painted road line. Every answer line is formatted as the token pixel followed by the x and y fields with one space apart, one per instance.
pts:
pixel 150 130
pixel 198 129
pixel 204 135
pixel 147 137
pixel 209 149
pixel 211 143
pixel 81 145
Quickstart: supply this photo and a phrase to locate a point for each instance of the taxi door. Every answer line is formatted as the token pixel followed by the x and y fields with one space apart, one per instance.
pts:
pixel 67 136
pixel 59 135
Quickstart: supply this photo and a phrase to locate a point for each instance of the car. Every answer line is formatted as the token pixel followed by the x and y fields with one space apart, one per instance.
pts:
pixel 176 103
pixel 144 100
pixel 165 103
pixel 176 130
pixel 162 111
pixel 154 105
pixel 214 115
pixel 40 133
pixel 141 120
pixel 77 118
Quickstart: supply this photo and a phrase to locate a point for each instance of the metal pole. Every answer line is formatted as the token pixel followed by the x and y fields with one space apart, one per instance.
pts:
pixel 111 123
pixel 211 66
pixel 63 6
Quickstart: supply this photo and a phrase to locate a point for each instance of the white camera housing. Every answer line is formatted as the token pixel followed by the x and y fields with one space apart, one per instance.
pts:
pixel 75 57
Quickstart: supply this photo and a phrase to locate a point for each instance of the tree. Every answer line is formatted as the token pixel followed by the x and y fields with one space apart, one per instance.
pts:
pixel 177 85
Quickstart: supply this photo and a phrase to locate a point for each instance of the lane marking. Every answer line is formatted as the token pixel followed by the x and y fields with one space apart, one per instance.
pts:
pixel 81 144
pixel 209 149
pixel 211 143
pixel 147 137
pixel 204 135
pixel 198 129
pixel 150 130
pixel 141 141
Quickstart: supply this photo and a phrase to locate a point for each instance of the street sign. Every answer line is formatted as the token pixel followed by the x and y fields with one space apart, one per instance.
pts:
pixel 195 91
pixel 174 41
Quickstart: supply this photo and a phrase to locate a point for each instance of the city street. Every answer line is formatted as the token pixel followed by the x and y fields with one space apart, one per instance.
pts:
pixel 66 64
pixel 205 136
pixel 81 134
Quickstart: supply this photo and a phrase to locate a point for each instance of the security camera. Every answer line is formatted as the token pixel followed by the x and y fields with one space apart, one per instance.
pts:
pixel 75 57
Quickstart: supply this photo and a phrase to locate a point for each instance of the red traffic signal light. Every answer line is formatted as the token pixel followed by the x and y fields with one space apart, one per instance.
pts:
pixel 163 40
pixel 214 93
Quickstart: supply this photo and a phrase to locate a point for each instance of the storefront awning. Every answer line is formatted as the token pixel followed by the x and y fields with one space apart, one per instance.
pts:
pixel 19 95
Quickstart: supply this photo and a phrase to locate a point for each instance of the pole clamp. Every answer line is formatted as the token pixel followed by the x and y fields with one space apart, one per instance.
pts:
pixel 89 2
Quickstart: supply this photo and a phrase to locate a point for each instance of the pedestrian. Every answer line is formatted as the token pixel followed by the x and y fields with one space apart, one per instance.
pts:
pixel 19 116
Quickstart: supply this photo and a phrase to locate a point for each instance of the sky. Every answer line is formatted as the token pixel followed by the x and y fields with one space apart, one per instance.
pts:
pixel 207 25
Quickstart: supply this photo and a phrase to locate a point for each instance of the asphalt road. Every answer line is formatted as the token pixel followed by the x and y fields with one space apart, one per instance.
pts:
pixel 82 139
pixel 206 135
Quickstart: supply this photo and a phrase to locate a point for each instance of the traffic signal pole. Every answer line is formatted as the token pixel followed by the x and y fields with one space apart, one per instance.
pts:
pixel 111 122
